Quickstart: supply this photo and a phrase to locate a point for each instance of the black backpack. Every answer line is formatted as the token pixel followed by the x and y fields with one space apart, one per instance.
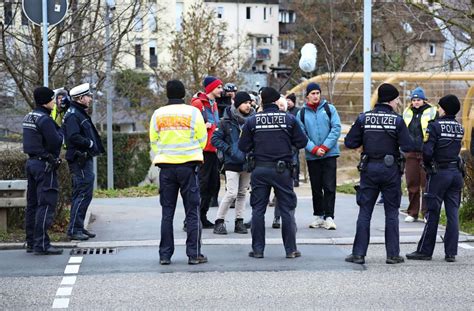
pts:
pixel 326 108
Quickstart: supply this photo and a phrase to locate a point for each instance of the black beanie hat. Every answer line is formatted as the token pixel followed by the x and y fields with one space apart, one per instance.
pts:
pixel 43 95
pixel 269 95
pixel 292 96
pixel 175 89
pixel 450 104
pixel 241 97
pixel 387 93
pixel 311 87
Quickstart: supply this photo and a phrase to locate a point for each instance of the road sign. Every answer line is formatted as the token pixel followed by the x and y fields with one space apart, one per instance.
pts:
pixel 57 10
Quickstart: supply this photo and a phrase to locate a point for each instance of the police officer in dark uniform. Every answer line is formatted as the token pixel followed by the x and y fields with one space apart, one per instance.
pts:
pixel 82 144
pixel 42 139
pixel 445 170
pixel 270 135
pixel 381 132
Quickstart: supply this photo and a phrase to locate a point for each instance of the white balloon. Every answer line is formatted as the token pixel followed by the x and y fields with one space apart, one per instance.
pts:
pixel 308 57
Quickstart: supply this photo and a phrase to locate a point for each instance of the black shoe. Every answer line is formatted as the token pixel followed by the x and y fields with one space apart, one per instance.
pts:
pixel 394 260
pixel 276 223
pixel 165 261
pixel 196 261
pixel 240 227
pixel 293 254
pixel 356 259
pixel 255 255
pixel 248 224
pixel 206 224
pixel 89 233
pixel 219 227
pixel 29 248
pixel 450 258
pixel 50 251
pixel 418 256
pixel 78 236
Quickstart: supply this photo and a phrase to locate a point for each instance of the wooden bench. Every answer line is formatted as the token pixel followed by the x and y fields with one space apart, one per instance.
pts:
pixel 12 195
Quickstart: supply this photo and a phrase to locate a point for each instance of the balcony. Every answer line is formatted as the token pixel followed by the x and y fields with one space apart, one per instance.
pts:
pixel 263 54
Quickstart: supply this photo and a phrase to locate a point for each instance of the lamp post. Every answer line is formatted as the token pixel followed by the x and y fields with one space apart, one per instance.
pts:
pixel 110 7
pixel 367 52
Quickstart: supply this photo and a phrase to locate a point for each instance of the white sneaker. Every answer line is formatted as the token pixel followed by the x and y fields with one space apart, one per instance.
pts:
pixel 317 223
pixel 410 219
pixel 329 224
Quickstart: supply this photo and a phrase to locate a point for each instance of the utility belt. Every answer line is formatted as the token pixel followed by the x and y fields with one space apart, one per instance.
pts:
pixel 52 163
pixel 435 166
pixel 389 160
pixel 280 166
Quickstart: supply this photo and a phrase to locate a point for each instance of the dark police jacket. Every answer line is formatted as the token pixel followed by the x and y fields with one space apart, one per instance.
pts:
pixel 444 140
pixel 380 131
pixel 41 135
pixel 271 135
pixel 80 132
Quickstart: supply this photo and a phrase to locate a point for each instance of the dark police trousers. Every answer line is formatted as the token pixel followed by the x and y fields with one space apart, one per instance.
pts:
pixel 184 179
pixel 262 180
pixel 42 197
pixel 374 179
pixel 444 186
pixel 82 191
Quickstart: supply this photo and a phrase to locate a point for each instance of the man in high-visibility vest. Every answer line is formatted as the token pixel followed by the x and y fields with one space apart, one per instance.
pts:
pixel 177 136
pixel 61 106
pixel 416 118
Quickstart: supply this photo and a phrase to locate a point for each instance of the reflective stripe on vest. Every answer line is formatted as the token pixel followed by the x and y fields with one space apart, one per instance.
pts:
pixel 428 115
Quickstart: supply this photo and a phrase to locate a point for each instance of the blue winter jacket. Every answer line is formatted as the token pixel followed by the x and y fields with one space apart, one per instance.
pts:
pixel 317 129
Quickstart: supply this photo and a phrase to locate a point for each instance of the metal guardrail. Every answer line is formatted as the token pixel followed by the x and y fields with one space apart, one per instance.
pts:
pixel 12 195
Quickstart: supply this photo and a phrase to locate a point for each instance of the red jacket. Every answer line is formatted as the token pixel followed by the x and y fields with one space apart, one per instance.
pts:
pixel 210 114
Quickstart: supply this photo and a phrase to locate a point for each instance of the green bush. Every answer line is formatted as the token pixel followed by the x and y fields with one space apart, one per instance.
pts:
pixel 12 166
pixel 466 212
pixel 131 160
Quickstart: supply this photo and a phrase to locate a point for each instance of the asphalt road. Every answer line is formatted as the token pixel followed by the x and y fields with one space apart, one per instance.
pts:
pixel 131 278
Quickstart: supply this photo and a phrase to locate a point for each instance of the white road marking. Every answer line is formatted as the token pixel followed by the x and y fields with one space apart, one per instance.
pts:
pixel 75 259
pixel 68 280
pixel 466 246
pixel 60 303
pixel 64 291
pixel 71 269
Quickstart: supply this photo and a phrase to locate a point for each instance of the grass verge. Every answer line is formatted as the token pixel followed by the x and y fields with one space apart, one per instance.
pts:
pixel 132 192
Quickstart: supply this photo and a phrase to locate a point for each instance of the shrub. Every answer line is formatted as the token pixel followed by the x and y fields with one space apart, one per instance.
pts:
pixel 131 160
pixel 466 212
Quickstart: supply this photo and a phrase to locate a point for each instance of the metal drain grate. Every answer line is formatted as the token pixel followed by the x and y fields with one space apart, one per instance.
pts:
pixel 94 251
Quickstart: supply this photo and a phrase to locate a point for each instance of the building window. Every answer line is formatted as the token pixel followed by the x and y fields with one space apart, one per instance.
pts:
pixel 138 56
pixel 376 48
pixel 432 49
pixel 291 17
pixel 248 12
pixel 220 12
pixel 138 23
pixel 179 15
pixel 153 57
pixel 264 14
pixel 8 13
pixel 152 18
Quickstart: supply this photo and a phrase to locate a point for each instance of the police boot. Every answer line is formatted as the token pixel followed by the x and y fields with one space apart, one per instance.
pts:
pixel 50 251
pixel 89 233
pixel 418 256
pixel 276 223
pixel 391 260
pixel 219 227
pixel 78 236
pixel 240 227
pixel 355 259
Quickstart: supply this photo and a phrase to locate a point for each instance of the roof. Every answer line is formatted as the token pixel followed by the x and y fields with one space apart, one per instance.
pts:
pixel 405 23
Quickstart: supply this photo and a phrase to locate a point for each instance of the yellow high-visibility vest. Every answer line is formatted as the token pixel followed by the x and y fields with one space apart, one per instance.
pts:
pixel 428 115
pixel 57 117
pixel 177 134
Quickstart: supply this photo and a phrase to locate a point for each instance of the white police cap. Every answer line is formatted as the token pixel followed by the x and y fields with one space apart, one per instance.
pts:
pixel 80 90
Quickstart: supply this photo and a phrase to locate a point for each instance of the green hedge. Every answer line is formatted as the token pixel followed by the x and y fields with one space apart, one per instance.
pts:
pixel 12 166
pixel 131 160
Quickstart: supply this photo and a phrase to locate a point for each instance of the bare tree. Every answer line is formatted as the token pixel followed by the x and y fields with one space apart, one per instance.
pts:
pixel 199 49
pixel 76 45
